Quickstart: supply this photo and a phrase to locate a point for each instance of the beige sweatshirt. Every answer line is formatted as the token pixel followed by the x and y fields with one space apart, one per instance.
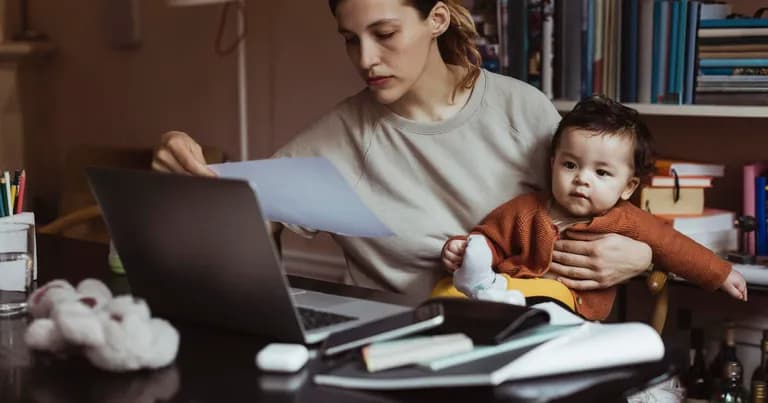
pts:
pixel 430 181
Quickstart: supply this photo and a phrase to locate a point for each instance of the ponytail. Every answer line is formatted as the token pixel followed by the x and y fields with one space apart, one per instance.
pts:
pixel 457 44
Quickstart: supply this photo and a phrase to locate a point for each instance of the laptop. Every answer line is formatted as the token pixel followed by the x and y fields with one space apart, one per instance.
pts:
pixel 198 249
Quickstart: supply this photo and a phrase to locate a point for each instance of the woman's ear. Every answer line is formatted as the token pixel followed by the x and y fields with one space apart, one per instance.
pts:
pixel 632 185
pixel 439 19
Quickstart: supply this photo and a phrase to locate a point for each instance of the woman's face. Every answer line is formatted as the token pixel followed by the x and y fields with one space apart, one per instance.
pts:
pixel 388 42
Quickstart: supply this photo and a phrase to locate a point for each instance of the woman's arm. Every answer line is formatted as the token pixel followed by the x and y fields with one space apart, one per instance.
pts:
pixel 589 261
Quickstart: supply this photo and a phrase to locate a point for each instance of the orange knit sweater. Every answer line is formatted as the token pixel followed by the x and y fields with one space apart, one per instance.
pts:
pixel 521 236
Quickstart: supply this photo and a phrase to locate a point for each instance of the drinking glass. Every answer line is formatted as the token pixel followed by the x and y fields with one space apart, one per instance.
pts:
pixel 17 251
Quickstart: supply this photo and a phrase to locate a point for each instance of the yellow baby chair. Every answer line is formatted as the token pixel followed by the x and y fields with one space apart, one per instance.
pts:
pixel 543 287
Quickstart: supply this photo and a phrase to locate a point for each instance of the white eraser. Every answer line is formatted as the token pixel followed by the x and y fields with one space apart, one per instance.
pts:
pixel 282 357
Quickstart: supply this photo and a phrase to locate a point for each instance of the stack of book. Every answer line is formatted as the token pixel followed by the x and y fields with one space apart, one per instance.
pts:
pixel 676 193
pixel 733 59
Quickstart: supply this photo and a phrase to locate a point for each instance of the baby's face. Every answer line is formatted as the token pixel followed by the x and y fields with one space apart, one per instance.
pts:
pixel 591 172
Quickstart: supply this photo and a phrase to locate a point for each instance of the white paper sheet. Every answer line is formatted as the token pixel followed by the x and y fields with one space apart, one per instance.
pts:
pixel 309 192
pixel 13 275
pixel 559 315
pixel 592 346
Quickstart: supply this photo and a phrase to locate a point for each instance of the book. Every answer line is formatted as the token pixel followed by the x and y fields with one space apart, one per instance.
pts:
pixel 683 182
pixel 747 62
pixel 735 23
pixel 547 51
pixel 733 89
pixel 645 56
pixel 750 47
pixel 599 48
pixel 588 346
pixel 720 242
pixel 734 55
pixel 761 231
pixel 689 69
pixel 732 32
pixel 630 17
pixel 733 98
pixel 667 167
pixel 733 71
pixel 662 200
pixel 749 173
pixel 710 220
pixel 517 35
pixel 732 80
pixel 588 47
pixel 569 43
pixel 391 354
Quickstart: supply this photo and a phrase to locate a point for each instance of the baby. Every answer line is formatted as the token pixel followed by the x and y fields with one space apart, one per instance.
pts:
pixel 599 154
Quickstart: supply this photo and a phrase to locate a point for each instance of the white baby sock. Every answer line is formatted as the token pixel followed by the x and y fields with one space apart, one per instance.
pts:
pixel 476 273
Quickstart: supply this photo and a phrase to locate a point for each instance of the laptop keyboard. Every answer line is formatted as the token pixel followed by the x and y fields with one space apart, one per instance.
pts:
pixel 313 319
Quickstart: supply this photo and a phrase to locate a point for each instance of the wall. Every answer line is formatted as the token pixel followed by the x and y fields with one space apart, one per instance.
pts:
pixel 98 95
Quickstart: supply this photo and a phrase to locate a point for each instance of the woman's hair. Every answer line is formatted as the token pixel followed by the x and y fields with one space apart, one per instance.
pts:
pixel 604 116
pixel 457 44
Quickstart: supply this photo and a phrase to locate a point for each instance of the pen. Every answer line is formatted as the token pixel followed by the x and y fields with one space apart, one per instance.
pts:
pixel 7 178
pixel 2 197
pixel 22 190
pixel 14 189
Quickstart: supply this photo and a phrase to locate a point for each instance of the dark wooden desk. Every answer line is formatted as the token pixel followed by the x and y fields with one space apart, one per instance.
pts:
pixel 217 366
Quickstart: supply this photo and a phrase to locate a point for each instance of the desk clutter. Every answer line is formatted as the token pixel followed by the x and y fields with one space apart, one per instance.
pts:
pixel 114 333
pixel 486 343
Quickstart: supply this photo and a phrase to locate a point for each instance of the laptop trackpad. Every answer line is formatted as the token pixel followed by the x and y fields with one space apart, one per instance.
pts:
pixel 319 300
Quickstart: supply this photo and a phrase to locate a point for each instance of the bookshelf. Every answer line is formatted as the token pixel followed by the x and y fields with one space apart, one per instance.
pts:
pixel 715 111
pixel 629 52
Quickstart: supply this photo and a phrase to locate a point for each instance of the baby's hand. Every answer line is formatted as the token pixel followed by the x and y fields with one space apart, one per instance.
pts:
pixel 453 254
pixel 735 285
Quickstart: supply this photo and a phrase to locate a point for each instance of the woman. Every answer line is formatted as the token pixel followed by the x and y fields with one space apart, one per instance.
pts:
pixel 430 145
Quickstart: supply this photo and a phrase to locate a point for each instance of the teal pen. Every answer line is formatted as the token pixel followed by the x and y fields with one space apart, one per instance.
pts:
pixel 8 203
pixel 2 198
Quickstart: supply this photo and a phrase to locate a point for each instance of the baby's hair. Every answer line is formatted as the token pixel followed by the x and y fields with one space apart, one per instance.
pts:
pixel 604 116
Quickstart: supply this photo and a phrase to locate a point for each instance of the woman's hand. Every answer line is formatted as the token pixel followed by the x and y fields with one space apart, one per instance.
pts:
pixel 179 153
pixel 453 254
pixel 587 261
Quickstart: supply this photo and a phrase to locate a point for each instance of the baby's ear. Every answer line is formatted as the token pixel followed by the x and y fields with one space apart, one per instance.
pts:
pixel 632 185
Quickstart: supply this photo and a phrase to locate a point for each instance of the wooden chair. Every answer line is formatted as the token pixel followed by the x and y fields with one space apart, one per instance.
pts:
pixel 657 284
pixel 80 216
